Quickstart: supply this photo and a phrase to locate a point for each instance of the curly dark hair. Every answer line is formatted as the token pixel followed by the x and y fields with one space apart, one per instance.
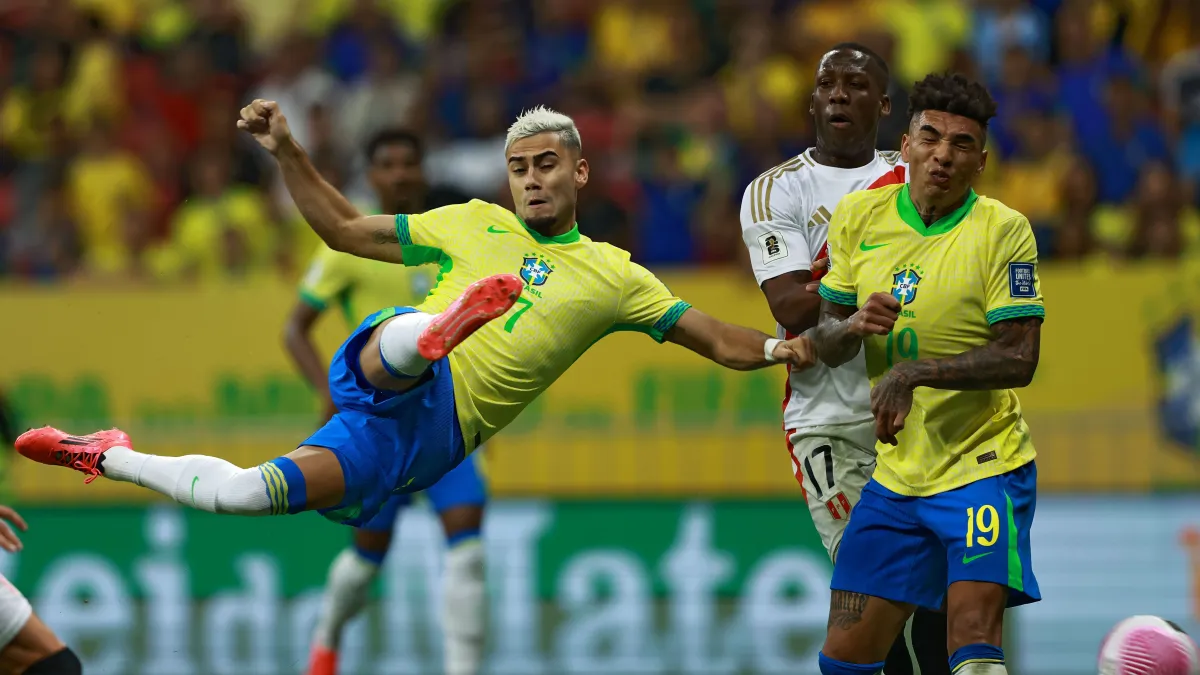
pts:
pixel 952 93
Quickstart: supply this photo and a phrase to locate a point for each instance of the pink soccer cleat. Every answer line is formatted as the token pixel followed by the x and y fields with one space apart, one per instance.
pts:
pixel 48 445
pixel 483 301
pixel 322 661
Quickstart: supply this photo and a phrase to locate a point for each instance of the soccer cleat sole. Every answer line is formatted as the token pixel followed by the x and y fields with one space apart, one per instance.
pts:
pixel 483 301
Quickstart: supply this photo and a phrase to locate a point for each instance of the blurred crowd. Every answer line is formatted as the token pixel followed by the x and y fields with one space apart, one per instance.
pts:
pixel 120 160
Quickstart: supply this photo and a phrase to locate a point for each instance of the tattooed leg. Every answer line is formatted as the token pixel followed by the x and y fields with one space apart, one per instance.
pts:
pixel 862 628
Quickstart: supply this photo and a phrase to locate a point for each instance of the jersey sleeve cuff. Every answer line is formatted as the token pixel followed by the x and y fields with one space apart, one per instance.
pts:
pixel 1015 312
pixel 838 297
pixel 308 298
pixel 668 320
pixel 402 232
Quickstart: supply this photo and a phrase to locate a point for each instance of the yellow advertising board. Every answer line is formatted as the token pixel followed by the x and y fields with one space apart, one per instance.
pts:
pixel 202 370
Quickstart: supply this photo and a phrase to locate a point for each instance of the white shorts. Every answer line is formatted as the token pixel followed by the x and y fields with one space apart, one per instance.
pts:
pixel 833 463
pixel 14 611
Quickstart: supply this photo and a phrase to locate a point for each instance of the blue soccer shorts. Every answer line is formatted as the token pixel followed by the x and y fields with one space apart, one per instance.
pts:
pixel 910 549
pixel 388 443
pixel 463 486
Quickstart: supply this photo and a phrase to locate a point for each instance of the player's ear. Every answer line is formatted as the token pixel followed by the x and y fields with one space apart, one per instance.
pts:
pixel 982 162
pixel 904 149
pixel 885 107
pixel 581 173
pixel 812 103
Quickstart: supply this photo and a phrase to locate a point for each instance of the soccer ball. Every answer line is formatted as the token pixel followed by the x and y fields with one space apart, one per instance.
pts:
pixel 1148 645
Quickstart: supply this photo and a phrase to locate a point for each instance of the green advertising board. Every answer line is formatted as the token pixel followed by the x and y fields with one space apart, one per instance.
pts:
pixel 597 587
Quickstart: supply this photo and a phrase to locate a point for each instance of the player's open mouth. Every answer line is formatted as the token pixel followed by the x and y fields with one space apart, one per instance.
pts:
pixel 840 120
pixel 536 202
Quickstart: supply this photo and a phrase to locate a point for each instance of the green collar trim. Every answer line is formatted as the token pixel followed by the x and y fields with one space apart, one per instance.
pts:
pixel 908 213
pixel 569 237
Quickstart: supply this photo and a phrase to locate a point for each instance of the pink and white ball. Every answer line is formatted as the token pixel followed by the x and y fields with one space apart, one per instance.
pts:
pixel 1148 645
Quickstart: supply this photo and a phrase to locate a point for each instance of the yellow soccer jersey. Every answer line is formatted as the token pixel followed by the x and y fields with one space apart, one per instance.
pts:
pixel 955 278
pixel 576 291
pixel 361 286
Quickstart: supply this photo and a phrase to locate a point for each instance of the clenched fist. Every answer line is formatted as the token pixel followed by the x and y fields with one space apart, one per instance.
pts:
pixel 877 316
pixel 263 120
pixel 798 352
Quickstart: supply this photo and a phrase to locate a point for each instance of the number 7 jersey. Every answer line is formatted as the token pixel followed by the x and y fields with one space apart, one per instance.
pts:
pixel 954 279
pixel 576 292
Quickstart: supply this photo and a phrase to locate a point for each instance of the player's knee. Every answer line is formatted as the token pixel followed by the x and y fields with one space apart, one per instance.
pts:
pixel 62 662
pixel 971 625
pixel 372 546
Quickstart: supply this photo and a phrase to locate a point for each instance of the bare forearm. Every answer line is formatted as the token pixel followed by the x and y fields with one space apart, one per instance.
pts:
pixel 835 343
pixel 741 348
pixel 797 311
pixel 1007 362
pixel 304 354
pixel 323 207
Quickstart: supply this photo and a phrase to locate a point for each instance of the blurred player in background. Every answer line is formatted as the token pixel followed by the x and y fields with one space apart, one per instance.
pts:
pixel 939 288
pixel 359 286
pixel 29 646
pixel 785 223
pixel 420 388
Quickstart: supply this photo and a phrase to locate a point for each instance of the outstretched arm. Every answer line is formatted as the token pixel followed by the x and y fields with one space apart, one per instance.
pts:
pixel 329 214
pixel 737 347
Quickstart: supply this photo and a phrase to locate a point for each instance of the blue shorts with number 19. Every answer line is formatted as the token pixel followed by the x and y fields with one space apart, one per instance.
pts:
pixel 387 442
pixel 910 549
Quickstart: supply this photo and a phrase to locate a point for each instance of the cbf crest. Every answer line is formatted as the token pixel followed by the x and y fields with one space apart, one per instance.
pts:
pixel 535 269
pixel 906 279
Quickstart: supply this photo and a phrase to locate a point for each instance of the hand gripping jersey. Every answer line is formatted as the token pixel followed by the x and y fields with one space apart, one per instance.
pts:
pixel 785 224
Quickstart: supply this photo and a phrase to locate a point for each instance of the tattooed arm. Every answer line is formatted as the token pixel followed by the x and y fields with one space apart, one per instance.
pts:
pixel 841 329
pixel 1008 361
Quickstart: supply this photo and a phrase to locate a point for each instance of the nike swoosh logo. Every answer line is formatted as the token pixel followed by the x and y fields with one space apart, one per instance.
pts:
pixel 493 230
pixel 968 561
pixel 863 246
pixel 397 490
pixel 195 479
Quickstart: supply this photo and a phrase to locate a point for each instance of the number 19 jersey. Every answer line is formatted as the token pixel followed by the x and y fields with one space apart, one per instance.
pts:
pixel 954 279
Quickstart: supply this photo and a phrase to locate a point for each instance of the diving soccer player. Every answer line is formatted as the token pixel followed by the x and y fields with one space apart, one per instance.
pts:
pixel 420 388
pixel 939 287
pixel 359 286
pixel 785 224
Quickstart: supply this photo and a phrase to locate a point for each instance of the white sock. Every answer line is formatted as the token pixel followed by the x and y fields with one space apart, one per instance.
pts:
pixel 982 669
pixel 350 578
pixel 398 343
pixel 464 608
pixel 206 483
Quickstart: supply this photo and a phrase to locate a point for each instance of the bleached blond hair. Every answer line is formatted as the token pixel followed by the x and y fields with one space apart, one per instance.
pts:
pixel 542 120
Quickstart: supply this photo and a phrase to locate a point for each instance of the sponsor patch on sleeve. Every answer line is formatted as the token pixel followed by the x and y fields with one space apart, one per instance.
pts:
pixel 772 246
pixel 1020 280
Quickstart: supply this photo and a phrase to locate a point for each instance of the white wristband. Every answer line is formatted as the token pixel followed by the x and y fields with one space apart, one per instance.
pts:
pixel 769 349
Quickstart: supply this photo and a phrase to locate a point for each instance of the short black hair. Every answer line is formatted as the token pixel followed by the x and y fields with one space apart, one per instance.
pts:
pixel 952 93
pixel 388 137
pixel 869 53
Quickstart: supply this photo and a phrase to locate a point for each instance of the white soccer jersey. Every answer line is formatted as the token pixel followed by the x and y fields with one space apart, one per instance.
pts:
pixel 785 223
